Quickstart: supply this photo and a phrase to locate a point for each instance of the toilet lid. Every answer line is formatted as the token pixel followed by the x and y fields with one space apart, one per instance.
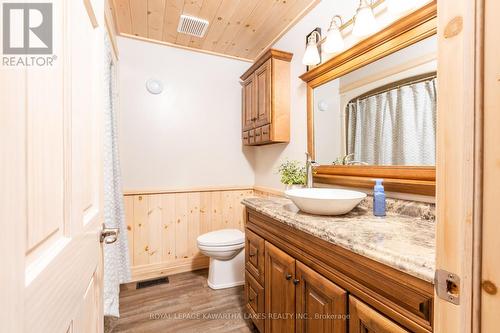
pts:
pixel 222 237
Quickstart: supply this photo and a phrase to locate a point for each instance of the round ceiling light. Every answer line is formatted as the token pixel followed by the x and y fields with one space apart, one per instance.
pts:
pixel 154 86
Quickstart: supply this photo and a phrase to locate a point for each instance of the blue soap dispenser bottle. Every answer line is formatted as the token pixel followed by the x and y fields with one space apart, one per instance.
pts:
pixel 378 198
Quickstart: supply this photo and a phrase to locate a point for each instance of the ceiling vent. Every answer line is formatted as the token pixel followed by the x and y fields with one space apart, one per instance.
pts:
pixel 193 26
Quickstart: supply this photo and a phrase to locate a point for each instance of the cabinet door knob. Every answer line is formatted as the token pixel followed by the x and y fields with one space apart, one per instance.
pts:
pixel 288 276
pixel 296 282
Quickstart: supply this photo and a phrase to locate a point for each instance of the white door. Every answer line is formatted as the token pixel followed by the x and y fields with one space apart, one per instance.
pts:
pixel 51 180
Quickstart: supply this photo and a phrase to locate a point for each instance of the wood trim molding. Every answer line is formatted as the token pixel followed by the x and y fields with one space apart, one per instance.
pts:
pixel 187 190
pixel 271 53
pixel 145 272
pixel 110 23
pixel 408 30
pixel 91 13
pixel 416 180
pixel 268 191
pixel 142 39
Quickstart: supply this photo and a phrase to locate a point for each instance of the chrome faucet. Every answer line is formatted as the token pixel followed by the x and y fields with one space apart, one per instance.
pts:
pixel 309 170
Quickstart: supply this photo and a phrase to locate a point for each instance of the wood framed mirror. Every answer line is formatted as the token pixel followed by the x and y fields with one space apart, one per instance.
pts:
pixel 400 59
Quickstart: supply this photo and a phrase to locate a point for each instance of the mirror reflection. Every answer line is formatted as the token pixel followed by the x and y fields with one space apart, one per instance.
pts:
pixel 381 114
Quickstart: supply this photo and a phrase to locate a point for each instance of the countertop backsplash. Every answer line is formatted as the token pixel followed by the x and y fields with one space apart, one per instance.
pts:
pixel 426 211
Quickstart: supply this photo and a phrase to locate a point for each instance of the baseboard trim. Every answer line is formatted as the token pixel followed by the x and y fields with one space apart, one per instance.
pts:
pixel 145 272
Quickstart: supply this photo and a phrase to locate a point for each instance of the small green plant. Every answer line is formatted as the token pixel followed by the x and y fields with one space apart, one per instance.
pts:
pixel 292 173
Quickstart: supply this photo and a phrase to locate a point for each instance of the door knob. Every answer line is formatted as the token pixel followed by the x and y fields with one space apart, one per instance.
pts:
pixel 109 235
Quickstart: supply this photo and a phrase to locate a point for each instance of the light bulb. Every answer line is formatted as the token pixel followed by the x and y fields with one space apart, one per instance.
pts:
pixel 364 21
pixel 311 56
pixel 334 40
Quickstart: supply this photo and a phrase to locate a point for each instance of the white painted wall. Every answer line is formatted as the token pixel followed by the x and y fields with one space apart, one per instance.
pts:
pixel 268 158
pixel 188 136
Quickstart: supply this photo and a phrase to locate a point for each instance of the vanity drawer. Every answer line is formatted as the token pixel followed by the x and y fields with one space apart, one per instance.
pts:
pixel 254 299
pixel 245 138
pixel 254 255
pixel 265 134
pixel 251 137
pixel 258 135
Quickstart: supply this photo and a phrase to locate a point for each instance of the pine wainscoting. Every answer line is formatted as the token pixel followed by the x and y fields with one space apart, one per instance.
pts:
pixel 163 226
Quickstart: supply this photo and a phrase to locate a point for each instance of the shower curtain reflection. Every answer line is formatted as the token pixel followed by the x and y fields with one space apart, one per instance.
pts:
pixel 394 127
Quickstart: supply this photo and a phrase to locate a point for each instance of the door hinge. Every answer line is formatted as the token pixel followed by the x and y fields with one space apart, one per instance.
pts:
pixel 447 286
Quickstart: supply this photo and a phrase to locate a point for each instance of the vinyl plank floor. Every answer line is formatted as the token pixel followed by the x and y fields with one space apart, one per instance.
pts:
pixel 185 305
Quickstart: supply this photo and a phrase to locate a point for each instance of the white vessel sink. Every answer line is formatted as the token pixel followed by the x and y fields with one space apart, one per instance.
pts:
pixel 325 201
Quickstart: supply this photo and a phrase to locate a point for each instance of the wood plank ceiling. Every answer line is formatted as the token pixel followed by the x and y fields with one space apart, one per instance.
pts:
pixel 237 28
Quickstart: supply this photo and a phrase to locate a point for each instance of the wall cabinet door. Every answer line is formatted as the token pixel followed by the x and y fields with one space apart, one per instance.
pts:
pixel 263 94
pixel 248 103
pixel 321 305
pixel 364 319
pixel 279 291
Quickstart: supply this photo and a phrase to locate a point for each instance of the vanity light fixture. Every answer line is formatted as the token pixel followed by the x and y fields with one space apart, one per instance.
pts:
pixel 334 40
pixel 311 56
pixel 364 21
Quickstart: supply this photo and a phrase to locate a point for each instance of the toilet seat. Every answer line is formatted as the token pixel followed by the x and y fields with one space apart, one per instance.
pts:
pixel 221 248
pixel 227 238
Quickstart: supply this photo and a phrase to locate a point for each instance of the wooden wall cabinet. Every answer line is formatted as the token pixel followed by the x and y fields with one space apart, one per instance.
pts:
pixel 307 285
pixel 266 99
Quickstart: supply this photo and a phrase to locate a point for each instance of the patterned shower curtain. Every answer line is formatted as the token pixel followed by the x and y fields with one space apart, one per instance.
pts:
pixel 396 127
pixel 116 258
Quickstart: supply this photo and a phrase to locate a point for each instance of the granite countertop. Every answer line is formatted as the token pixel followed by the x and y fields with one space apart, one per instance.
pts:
pixel 402 242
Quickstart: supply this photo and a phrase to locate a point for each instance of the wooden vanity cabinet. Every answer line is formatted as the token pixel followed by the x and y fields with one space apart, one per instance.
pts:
pixel 266 99
pixel 299 283
pixel 279 290
pixel 322 300
pixel 294 298
pixel 254 256
pixel 364 319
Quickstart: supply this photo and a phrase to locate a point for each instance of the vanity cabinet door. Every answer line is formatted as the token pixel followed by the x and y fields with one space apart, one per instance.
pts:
pixel 254 256
pixel 279 291
pixel 321 305
pixel 263 94
pixel 248 103
pixel 364 319
pixel 254 298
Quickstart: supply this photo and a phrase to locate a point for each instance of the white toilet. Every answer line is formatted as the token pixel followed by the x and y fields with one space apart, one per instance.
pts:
pixel 227 257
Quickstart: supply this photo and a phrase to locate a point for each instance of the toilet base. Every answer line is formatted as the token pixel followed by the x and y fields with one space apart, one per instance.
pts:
pixel 227 273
